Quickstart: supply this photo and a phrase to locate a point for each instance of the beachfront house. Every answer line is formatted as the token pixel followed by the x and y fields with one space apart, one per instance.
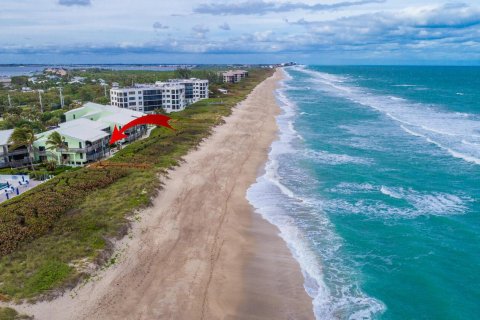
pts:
pixel 111 116
pixel 86 134
pixel 85 141
pixel 12 158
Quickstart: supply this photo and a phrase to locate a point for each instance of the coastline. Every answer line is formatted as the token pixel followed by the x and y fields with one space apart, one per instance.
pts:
pixel 201 252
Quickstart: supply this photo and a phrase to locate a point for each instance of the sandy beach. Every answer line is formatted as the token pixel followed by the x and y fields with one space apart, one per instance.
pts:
pixel 200 252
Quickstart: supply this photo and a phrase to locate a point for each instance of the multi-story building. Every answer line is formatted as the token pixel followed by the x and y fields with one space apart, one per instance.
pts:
pixel 85 141
pixel 86 134
pixel 234 76
pixel 173 95
pixel 195 89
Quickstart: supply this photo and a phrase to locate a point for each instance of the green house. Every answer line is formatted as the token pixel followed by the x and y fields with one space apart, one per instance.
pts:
pixel 85 141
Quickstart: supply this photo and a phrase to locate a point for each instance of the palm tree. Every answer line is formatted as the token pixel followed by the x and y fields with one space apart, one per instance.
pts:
pixel 23 136
pixel 56 142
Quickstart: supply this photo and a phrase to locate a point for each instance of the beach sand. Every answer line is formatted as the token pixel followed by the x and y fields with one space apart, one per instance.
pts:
pixel 200 252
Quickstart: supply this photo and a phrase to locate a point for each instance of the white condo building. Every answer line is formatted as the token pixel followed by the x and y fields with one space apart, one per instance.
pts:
pixel 172 96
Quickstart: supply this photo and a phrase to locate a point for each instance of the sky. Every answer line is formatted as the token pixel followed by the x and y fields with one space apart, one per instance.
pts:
pixel 244 31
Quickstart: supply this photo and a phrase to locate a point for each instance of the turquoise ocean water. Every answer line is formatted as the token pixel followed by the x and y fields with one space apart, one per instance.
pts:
pixel 375 187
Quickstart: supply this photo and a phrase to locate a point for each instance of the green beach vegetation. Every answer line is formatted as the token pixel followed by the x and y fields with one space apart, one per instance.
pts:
pixel 94 85
pixel 51 235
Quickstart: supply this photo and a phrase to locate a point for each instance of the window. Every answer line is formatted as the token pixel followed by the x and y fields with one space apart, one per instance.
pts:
pixel 81 155
pixel 80 145
pixel 73 116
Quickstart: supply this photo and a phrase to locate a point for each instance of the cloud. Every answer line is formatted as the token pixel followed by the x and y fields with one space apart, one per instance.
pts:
pixel 70 3
pixel 224 26
pixel 200 31
pixel 442 31
pixel 158 26
pixel 261 7
pixel 410 27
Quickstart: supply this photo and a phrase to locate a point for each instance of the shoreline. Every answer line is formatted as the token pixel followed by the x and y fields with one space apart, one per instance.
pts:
pixel 201 252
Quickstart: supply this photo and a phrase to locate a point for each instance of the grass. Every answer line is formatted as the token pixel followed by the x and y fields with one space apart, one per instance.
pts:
pixel 79 235
pixel 11 314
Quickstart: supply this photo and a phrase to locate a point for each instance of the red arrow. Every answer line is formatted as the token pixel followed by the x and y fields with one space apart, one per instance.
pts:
pixel 158 119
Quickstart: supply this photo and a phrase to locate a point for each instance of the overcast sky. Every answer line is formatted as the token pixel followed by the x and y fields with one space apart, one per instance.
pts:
pixel 251 31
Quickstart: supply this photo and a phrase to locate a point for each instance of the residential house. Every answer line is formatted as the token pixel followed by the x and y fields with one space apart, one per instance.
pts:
pixel 110 115
pixel 85 141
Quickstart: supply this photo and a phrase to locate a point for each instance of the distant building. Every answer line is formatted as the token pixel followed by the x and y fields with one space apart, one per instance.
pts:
pixel 77 80
pixel 234 76
pixel 224 91
pixel 5 82
pixel 12 158
pixel 171 96
pixel 56 71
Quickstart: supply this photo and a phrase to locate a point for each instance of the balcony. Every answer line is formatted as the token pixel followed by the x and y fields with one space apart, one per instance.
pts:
pixel 96 155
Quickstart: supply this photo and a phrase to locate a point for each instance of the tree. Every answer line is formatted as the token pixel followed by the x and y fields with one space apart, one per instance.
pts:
pixel 20 80
pixel 23 136
pixel 56 142
pixel 183 73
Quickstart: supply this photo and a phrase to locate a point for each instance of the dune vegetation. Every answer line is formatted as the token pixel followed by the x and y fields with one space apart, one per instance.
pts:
pixel 52 235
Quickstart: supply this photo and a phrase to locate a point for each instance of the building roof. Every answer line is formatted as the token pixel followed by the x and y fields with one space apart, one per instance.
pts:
pixel 119 118
pixel 85 123
pixel 5 136
pixel 91 108
pixel 80 129
pixel 80 133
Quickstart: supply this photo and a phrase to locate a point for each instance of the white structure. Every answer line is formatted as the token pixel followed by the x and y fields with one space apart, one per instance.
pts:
pixel 234 76
pixel 172 96
pixel 195 89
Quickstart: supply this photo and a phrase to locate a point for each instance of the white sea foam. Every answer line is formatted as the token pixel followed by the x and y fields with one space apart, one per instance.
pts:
pixel 419 203
pixel 325 157
pixel 274 200
pixel 446 130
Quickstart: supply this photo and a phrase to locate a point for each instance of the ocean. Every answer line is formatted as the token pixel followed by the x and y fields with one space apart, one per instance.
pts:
pixel 374 185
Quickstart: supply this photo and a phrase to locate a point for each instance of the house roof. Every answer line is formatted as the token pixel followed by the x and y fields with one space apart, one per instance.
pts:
pixel 91 108
pixel 81 129
pixel 85 123
pixel 119 118
pixel 80 133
